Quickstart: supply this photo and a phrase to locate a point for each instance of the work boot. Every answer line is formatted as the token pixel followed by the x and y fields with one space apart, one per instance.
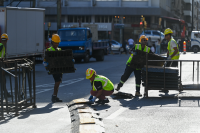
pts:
pixel 53 99
pixel 137 94
pixel 99 101
pixel 164 91
pixel 106 100
pixel 58 100
pixel 118 88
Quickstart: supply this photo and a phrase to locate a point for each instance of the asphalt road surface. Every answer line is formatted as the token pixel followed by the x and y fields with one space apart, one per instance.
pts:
pixel 160 113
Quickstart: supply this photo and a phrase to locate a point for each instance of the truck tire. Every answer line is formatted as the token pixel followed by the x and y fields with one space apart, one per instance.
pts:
pixel 78 60
pixel 195 49
pixel 100 56
pixel 87 58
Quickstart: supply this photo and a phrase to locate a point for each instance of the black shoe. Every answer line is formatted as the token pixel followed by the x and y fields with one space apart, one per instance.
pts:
pixel 164 91
pixel 53 99
pixel 99 101
pixel 106 101
pixel 58 100
pixel 118 88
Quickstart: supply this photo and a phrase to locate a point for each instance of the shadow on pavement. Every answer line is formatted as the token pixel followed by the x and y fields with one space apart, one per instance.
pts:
pixel 100 107
pixel 30 111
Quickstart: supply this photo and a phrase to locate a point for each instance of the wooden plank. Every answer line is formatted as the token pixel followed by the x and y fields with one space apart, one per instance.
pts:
pixel 87 121
pixel 85 115
pixel 82 100
pixel 91 128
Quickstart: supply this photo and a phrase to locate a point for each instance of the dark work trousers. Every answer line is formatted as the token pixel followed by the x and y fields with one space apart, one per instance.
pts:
pixel 127 74
pixel 172 64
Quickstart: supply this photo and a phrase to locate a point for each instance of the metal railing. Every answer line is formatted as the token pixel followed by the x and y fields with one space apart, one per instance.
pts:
pixel 19 92
pixel 181 87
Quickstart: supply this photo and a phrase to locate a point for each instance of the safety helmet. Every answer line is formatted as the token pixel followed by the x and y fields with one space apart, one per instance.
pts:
pixel 168 31
pixel 4 36
pixel 89 73
pixel 143 36
pixel 55 38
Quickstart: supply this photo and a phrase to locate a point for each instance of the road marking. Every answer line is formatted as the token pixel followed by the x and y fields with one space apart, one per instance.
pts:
pixel 118 112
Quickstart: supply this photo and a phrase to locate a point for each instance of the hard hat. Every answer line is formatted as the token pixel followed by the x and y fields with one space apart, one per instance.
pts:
pixel 143 36
pixel 55 38
pixel 4 36
pixel 168 31
pixel 89 73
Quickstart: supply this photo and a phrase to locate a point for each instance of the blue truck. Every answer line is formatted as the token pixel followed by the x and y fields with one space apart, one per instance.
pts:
pixel 80 41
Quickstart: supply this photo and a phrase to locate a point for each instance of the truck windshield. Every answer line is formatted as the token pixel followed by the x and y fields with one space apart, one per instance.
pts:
pixel 72 35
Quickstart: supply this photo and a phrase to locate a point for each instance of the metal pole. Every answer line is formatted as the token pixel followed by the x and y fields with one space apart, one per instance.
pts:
pixel 34 95
pixel 16 90
pixel 192 14
pixel 58 14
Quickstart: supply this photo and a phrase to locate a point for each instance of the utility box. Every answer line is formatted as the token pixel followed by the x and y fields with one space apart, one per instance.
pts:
pixel 25 29
pixel 94 31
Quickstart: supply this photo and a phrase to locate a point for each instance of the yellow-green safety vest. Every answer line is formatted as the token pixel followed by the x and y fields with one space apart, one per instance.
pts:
pixel 52 49
pixel 171 51
pixel 137 47
pixel 2 52
pixel 106 83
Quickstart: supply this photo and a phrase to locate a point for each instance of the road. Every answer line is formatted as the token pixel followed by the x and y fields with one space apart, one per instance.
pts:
pixel 158 113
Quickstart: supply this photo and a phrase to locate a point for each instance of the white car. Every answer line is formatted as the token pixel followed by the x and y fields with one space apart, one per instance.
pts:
pixel 154 34
pixel 115 45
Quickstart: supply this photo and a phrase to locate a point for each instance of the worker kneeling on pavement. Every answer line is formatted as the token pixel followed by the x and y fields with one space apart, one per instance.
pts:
pixel 55 40
pixel 101 87
pixel 143 40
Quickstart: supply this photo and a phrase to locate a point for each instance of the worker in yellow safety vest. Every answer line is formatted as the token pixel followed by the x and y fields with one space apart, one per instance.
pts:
pixel 4 39
pixel 143 40
pixel 101 87
pixel 172 53
pixel 55 40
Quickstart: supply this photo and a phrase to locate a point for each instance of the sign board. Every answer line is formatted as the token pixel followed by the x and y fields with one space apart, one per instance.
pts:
pixel 119 26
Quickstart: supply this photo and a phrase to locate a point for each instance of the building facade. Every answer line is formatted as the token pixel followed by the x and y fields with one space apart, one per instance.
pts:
pixel 107 14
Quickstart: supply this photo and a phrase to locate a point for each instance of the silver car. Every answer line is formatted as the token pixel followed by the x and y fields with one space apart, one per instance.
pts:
pixel 115 45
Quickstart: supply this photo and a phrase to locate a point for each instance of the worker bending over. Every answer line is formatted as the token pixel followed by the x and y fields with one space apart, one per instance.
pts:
pixel 143 40
pixel 101 87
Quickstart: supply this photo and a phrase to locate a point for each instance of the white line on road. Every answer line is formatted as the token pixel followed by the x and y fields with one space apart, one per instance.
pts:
pixel 118 112
pixel 67 82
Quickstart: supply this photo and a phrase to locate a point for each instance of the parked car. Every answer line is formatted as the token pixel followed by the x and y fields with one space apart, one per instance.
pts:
pixel 154 34
pixel 115 45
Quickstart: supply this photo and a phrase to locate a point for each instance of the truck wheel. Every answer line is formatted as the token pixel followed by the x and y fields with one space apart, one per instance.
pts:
pixel 78 60
pixel 100 56
pixel 195 49
pixel 87 58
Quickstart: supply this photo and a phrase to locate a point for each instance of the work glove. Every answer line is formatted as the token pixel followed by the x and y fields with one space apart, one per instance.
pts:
pixel 45 64
pixel 169 58
pixel 90 98
pixel 73 60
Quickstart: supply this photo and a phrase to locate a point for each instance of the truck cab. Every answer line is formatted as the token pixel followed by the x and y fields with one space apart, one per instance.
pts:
pixel 195 41
pixel 77 39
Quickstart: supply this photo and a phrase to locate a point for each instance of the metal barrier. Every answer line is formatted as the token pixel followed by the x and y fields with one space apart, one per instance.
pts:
pixel 20 74
pixel 181 87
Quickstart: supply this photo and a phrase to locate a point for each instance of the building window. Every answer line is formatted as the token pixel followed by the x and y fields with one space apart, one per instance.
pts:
pixel 87 19
pixel 70 19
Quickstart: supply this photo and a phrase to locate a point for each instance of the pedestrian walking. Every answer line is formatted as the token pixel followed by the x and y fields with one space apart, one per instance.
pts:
pixel 124 44
pixel 101 87
pixel 153 48
pixel 143 40
pixel 55 40
pixel 130 42
pixel 149 43
pixel 157 43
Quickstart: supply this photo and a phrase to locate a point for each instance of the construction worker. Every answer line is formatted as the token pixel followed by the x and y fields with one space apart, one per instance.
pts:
pixel 55 40
pixel 143 40
pixel 4 39
pixel 101 87
pixel 173 51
